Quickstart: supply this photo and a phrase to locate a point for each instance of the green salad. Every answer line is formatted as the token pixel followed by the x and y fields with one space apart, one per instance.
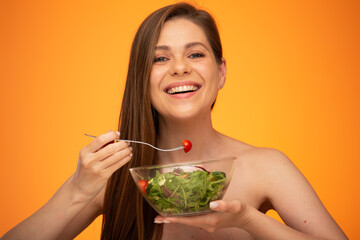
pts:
pixel 178 191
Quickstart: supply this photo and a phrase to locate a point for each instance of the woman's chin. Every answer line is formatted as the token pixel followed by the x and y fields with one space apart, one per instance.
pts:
pixel 181 116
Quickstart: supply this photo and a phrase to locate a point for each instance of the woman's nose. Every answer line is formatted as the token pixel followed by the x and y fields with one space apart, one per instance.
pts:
pixel 180 67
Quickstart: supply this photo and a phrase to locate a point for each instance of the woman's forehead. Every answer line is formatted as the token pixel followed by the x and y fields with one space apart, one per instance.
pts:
pixel 181 31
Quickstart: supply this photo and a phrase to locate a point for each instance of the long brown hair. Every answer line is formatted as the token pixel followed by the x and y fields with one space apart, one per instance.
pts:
pixel 125 214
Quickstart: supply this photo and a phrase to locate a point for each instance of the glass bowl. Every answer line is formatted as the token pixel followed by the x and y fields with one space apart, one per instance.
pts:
pixel 184 189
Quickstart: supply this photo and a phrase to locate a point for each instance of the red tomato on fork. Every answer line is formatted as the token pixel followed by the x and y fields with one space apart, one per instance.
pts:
pixel 143 184
pixel 187 145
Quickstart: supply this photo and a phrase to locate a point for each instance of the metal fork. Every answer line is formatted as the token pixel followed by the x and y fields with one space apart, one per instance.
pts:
pixel 133 141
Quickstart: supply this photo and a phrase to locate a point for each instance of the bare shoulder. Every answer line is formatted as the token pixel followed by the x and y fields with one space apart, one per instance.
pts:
pixel 267 175
pixel 259 164
pixel 264 169
pixel 258 157
pixel 265 156
pixel 270 169
pixel 271 163
pixel 242 149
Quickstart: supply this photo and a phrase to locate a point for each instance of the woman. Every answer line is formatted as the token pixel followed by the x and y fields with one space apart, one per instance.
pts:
pixel 176 69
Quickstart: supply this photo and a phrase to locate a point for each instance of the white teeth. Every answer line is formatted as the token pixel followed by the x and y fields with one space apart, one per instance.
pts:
pixel 184 88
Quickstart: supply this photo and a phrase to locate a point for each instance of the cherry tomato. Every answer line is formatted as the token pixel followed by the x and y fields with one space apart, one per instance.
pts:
pixel 143 184
pixel 187 145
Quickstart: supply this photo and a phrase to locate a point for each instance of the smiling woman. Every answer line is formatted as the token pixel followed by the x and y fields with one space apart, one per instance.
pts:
pixel 185 67
pixel 175 72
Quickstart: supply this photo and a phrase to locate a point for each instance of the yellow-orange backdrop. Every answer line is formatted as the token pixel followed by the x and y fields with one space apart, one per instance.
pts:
pixel 293 84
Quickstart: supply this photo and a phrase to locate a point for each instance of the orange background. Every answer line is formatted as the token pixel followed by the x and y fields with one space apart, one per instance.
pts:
pixel 293 84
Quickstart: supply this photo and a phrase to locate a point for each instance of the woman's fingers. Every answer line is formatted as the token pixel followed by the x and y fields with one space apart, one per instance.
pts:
pixel 116 157
pixel 210 222
pixel 101 141
pixel 111 149
pixel 116 154
pixel 194 221
pixel 228 214
pixel 233 206
pixel 98 161
pixel 111 169
pixel 101 153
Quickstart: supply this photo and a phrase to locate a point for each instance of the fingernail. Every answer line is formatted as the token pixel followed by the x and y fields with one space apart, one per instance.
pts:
pixel 130 148
pixel 160 222
pixel 130 154
pixel 213 205
pixel 118 133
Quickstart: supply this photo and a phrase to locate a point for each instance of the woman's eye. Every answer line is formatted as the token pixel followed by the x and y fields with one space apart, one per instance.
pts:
pixel 160 59
pixel 196 55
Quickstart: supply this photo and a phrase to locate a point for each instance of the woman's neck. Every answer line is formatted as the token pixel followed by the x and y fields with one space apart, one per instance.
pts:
pixel 200 132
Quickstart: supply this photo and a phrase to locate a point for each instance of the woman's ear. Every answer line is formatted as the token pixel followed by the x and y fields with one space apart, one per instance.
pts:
pixel 222 73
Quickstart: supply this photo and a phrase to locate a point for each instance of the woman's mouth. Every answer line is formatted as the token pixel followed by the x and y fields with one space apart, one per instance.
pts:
pixel 182 89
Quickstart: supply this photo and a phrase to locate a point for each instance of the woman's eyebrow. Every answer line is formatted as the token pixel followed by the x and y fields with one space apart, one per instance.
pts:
pixel 192 44
pixel 162 47
pixel 188 45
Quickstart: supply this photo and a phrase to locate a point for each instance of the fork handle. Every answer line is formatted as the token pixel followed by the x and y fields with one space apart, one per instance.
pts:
pixel 148 144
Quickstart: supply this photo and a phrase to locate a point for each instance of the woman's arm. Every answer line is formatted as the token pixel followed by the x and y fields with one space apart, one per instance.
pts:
pixel 290 194
pixel 262 226
pixel 230 214
pixel 97 162
pixel 84 218
pixel 295 200
pixel 51 219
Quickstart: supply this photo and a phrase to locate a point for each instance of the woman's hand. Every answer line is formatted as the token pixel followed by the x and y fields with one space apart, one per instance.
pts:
pixel 234 214
pixel 227 214
pixel 97 162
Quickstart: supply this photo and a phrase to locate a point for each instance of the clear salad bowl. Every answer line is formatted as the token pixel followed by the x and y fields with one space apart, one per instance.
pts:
pixel 184 189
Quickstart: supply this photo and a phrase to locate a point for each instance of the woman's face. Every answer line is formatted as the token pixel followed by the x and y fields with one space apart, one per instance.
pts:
pixel 185 76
